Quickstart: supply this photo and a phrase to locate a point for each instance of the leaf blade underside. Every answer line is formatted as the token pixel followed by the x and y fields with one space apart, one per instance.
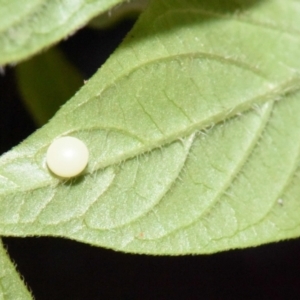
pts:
pixel 193 131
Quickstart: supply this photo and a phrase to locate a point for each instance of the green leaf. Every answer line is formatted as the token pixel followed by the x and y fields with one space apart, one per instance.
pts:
pixel 30 26
pixel 11 285
pixel 46 82
pixel 129 9
pixel 193 129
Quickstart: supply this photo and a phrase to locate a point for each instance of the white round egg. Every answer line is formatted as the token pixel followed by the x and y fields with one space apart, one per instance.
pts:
pixel 67 157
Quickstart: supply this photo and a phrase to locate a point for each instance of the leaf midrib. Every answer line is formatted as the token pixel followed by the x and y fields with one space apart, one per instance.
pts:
pixel 284 88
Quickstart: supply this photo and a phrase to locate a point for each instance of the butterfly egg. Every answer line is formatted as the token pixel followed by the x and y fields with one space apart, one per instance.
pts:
pixel 67 157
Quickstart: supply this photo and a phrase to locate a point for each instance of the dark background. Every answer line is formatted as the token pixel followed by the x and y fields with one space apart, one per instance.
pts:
pixel 63 269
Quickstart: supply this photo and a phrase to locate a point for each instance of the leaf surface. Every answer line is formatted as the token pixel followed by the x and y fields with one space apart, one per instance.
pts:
pixel 193 129
pixel 30 26
pixel 11 285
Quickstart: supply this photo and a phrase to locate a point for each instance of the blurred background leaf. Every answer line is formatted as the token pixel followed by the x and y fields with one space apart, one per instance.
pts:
pixel 46 82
